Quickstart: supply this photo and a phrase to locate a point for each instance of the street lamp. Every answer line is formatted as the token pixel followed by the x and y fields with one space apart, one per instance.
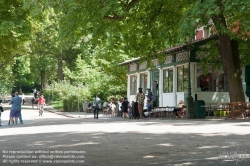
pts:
pixel 189 98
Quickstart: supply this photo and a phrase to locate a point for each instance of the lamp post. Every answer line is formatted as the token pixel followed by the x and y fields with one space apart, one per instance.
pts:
pixel 189 98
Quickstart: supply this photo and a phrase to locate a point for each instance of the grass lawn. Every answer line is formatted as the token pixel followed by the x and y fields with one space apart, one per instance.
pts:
pixel 57 105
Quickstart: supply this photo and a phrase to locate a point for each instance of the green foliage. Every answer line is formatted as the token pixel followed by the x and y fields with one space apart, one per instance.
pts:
pixel 15 29
pixel 93 36
pixel 211 56
pixel 100 77
pixel 244 52
pixel 6 79
pixel 71 96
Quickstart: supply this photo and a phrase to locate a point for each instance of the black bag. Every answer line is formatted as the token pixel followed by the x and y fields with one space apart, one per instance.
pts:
pixel 1 109
pixel 135 111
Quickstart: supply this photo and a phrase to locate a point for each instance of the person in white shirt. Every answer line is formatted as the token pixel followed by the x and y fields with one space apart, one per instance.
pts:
pixel 105 104
pixel 23 98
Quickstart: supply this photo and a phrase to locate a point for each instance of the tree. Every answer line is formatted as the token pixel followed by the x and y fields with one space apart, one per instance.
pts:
pixel 15 30
pixel 231 21
pixel 142 28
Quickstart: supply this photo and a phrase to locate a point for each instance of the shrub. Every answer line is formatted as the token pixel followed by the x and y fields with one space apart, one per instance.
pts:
pixel 71 96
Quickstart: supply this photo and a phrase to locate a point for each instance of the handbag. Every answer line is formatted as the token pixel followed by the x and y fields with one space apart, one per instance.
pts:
pixel 1 109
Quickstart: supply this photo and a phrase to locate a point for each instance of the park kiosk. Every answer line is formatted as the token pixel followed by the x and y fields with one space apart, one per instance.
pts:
pixel 168 80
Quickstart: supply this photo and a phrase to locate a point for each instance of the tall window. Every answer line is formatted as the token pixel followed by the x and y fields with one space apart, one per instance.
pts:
pixel 182 78
pixel 143 81
pixel 133 84
pixel 223 83
pixel 168 80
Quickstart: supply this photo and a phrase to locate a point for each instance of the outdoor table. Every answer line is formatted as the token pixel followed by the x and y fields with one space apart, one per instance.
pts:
pixel 172 108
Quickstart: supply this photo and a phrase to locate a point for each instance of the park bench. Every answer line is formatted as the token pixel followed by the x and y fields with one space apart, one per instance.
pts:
pixel 166 112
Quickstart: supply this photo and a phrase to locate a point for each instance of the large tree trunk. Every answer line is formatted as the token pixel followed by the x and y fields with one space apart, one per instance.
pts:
pixel 41 77
pixel 230 59
pixel 231 64
pixel 60 71
pixel 45 79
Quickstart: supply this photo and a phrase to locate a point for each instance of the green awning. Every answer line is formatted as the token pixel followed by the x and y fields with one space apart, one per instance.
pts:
pixel 247 79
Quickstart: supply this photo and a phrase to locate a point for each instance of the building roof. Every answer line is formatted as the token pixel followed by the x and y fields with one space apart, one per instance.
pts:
pixel 178 48
pixel 129 61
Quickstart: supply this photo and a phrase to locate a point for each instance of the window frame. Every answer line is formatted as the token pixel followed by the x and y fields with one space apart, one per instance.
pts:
pixel 169 79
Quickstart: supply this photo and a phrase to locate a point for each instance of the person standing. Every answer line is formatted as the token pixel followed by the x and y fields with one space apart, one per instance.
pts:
pixel 35 93
pixel 41 102
pixel 120 107
pixel 97 103
pixel 150 95
pixel 140 97
pixel 33 101
pixel 15 111
pixel 125 108
pixel 1 110
pixel 23 98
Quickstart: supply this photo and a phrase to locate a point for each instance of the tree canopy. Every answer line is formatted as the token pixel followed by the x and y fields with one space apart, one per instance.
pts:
pixel 99 34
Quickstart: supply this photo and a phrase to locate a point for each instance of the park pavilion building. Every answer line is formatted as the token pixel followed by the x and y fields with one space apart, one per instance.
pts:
pixel 169 80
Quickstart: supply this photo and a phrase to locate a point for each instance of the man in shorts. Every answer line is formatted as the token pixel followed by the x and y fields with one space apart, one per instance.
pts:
pixel 15 110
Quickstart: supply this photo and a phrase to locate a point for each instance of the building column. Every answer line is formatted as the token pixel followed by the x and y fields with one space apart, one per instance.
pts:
pixel 138 80
pixel 160 86
pixel 243 80
pixel 128 86
pixel 148 81
pixel 175 84
pixel 192 77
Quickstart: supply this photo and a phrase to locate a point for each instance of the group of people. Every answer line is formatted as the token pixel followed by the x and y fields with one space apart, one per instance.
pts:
pixel 125 108
pixel 16 103
pixel 111 107
pixel 15 111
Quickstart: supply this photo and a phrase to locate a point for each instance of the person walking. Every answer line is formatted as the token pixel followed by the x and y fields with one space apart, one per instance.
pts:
pixel 125 108
pixel 140 97
pixel 42 103
pixel 15 111
pixel 97 103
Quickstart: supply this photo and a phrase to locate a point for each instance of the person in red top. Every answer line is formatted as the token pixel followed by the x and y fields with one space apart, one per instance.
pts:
pixel 42 103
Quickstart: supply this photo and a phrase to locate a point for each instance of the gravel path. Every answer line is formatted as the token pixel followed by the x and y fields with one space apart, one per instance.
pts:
pixel 117 142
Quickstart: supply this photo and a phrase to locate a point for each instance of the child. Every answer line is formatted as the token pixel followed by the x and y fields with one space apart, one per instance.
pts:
pixel 33 101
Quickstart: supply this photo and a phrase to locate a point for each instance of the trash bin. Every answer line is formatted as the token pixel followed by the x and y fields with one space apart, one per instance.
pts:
pixel 199 106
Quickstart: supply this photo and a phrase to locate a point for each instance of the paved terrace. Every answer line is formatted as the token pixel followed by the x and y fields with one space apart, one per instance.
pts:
pixel 116 141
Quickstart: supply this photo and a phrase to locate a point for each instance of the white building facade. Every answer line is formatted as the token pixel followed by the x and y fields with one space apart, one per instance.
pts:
pixel 168 79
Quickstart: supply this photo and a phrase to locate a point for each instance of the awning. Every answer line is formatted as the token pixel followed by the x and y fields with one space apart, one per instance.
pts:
pixel 247 79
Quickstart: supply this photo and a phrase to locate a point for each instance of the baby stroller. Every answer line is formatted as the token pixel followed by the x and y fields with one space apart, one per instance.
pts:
pixel 135 111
